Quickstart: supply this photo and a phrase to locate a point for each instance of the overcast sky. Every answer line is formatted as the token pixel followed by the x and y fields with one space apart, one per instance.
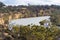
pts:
pixel 33 2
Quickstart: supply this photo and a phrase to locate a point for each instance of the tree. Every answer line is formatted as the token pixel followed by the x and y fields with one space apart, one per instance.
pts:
pixel 2 4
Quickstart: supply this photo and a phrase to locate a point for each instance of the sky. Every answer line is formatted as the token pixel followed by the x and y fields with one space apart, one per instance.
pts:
pixel 32 2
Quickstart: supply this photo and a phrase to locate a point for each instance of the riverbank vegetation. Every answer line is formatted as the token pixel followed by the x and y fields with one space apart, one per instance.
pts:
pixel 32 33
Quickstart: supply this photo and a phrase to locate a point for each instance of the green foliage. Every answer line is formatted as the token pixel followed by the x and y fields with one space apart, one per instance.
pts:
pixel 16 29
pixel 2 4
pixel 55 19
pixel 36 32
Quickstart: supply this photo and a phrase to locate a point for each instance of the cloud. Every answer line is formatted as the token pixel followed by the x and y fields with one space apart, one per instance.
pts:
pixel 2 0
pixel 56 2
pixel 40 2
pixel 33 2
pixel 9 2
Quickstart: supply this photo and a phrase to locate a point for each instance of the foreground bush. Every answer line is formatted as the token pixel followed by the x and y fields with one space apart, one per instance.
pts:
pixel 35 33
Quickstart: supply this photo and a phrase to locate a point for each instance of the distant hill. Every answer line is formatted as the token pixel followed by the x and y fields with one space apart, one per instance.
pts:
pixel 22 11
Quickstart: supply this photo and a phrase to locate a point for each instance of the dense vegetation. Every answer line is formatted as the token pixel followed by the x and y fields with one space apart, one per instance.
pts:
pixel 32 11
pixel 32 33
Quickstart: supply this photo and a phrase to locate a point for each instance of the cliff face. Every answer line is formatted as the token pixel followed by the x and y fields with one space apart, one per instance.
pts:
pixel 5 18
pixel 1 21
